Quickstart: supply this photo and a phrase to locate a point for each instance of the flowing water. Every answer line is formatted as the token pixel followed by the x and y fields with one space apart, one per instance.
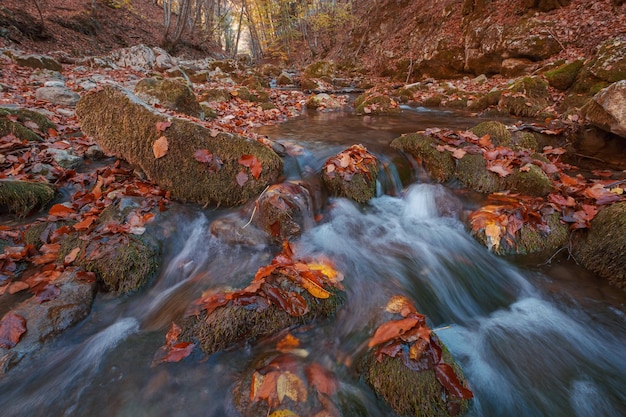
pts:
pixel 533 341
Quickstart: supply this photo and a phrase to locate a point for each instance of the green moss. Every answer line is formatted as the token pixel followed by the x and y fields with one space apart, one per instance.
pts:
pixel 127 129
pixel 172 93
pixel 499 134
pixel 472 171
pixel 22 197
pixel 433 101
pixel 602 249
pixel 532 182
pixel 308 84
pixel 18 129
pixel 564 76
pixel 361 188
pixel 524 140
pixel 375 103
pixel 320 69
pixel 229 325
pixel 610 61
pixel 408 392
pixel 32 235
pixel 490 99
pixel 526 97
pixel 439 165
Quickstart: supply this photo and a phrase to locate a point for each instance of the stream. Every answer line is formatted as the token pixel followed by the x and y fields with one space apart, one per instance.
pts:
pixel 533 340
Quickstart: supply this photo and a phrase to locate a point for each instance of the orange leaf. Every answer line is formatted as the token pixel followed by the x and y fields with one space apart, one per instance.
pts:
pixel 60 210
pixel 161 126
pixel 85 223
pixel 391 330
pixel 159 147
pixel 12 327
pixel 321 379
pixel 71 257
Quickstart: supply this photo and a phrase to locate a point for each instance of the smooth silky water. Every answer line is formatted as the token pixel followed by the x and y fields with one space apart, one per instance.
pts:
pixel 532 340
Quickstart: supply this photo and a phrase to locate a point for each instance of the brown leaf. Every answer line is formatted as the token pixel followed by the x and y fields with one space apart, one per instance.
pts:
pixel 61 210
pixel 323 380
pixel 17 286
pixel 448 379
pixel 399 304
pixel 291 386
pixel 159 147
pixel 203 155
pixel 500 169
pixel 391 330
pixel 71 257
pixel 85 223
pixel 12 327
pixel 161 126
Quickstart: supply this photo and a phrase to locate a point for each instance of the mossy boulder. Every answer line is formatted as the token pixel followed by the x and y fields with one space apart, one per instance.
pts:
pixel 530 239
pixel 472 170
pixel 320 69
pixel 485 101
pixel 439 165
pixel 284 79
pixel 352 174
pixel 498 133
pixel 24 117
pixel 284 211
pixel 38 61
pixel 525 98
pixel 231 324
pixel 564 76
pixel 127 128
pixel 609 63
pixel 244 93
pixel 171 93
pixel 22 197
pixel 603 247
pixel 215 94
pixel 323 101
pixel 374 102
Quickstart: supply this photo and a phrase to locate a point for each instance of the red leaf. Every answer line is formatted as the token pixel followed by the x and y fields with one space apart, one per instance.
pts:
pixel 448 379
pixel 203 155
pixel 12 327
pixel 291 302
pixel 242 178
pixel 321 378
pixel 253 163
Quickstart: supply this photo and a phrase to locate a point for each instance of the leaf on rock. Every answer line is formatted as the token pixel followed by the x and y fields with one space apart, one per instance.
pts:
pixel 12 327
pixel 241 178
pixel 253 163
pixel 85 223
pixel 71 257
pixel 173 351
pixel 399 304
pixel 161 126
pixel 160 147
pixel 61 210
pixel 291 386
pixel 391 330
pixel 448 379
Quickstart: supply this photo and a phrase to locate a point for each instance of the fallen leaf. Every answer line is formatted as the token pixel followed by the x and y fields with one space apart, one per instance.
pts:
pixel 17 286
pixel 391 330
pixel 448 379
pixel 291 386
pixel 61 210
pixel 493 232
pixel 320 378
pixel 85 223
pixel 71 257
pixel 161 126
pixel 12 327
pixel 159 147
pixel 241 178
pixel 399 304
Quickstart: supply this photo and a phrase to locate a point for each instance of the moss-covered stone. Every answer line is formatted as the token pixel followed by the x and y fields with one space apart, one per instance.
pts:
pixel 526 97
pixel 411 393
pixel 602 249
pixel 524 140
pixel 356 180
pixel 245 94
pixel 38 61
pixel 609 63
pixel 307 84
pixel 126 127
pixel 171 93
pixel 232 324
pixel 375 103
pixel 215 94
pixel 22 197
pixel 284 79
pixel 498 133
pixel 8 126
pixel 439 165
pixel 320 69
pixel 530 240
pixel 564 76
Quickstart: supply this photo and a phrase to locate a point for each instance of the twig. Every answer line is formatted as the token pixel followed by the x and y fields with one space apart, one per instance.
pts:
pixel 590 157
pixel 256 203
pixel 556 39
pixel 549 261
pixel 408 76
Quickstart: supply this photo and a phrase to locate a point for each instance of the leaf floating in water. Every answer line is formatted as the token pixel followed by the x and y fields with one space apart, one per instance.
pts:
pixel 173 351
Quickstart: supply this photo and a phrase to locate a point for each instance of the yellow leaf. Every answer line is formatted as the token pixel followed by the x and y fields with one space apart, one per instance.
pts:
pixel 399 304
pixel 314 289
pixel 617 190
pixel 257 380
pixel 288 342
pixel 291 386
pixel 283 413
pixel 327 271
pixel 493 232
pixel 159 147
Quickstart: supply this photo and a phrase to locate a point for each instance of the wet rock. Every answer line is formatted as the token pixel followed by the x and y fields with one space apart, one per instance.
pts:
pixel 284 79
pixel 323 101
pixel 284 211
pixel 57 95
pixel 172 93
pixel 126 127
pixel 65 159
pixel 352 174
pixel 38 61
pixel 607 109
pixel 374 102
pixel 498 133
pixel 564 76
pixel 47 319
pixel 609 63
pixel 439 165
pixel 95 153
pixel 235 230
pixel 603 247
pixel 22 197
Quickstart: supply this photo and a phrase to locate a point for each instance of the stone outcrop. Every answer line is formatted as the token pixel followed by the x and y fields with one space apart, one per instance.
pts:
pixel 607 109
pixel 190 161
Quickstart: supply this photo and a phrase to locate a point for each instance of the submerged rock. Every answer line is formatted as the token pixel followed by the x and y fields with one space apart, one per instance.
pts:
pixel 603 247
pixel 197 165
pixel 22 197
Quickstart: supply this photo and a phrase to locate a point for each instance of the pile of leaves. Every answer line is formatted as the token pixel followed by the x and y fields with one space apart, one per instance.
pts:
pixel 354 160
pixel 575 198
pixel 410 340
pixel 269 286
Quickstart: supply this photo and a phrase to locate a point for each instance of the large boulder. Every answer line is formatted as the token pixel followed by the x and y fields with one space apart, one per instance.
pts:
pixel 602 249
pixel 144 57
pixel 38 61
pixel 607 109
pixel 187 159
pixel 172 93
pixel 22 197
pixel 352 174
pixel 28 121
pixel 525 98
